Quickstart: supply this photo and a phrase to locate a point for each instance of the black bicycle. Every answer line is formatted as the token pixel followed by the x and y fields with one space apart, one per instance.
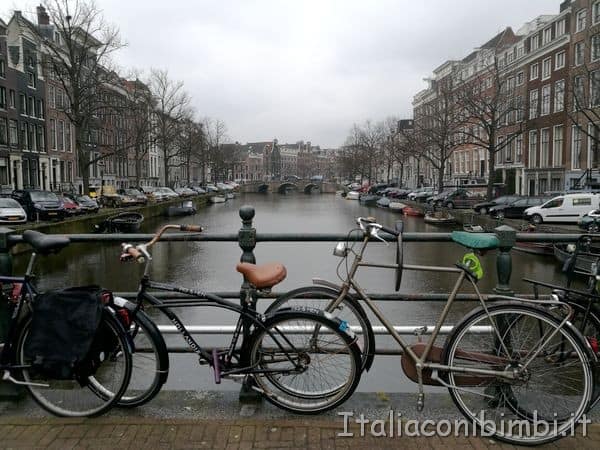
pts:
pixel 88 391
pixel 279 355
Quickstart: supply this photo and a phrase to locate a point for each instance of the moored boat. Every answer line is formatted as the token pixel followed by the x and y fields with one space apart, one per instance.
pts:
pixel 396 206
pixel 439 218
pixel 383 202
pixel 219 198
pixel 126 222
pixel 534 248
pixel 368 200
pixel 229 196
pixel 185 209
pixel 583 263
pixel 352 195
pixel 410 211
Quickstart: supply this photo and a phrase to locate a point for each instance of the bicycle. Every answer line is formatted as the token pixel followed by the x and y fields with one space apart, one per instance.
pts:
pixel 278 357
pixel 500 363
pixel 86 392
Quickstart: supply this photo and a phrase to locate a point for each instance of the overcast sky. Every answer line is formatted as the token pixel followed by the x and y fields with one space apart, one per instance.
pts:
pixel 303 70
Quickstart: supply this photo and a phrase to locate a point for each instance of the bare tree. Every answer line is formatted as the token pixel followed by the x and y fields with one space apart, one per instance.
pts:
pixel 491 106
pixel 192 146
pixel 216 134
pixel 78 46
pixel 435 127
pixel 171 110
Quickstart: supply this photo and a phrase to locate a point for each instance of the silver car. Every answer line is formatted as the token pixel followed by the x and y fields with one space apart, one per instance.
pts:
pixel 11 211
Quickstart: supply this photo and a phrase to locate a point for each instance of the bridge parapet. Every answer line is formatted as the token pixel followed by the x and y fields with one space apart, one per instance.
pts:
pixel 279 186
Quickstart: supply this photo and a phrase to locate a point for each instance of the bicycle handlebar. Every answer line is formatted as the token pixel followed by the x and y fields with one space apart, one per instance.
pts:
pixel 370 225
pixel 139 252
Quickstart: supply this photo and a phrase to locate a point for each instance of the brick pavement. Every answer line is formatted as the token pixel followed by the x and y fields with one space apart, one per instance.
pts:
pixel 239 434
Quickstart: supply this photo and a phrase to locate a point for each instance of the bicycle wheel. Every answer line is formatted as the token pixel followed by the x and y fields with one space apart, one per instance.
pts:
pixel 76 397
pixel 554 383
pixel 348 310
pixel 309 363
pixel 150 361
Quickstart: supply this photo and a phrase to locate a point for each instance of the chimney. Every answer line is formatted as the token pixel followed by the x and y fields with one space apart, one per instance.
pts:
pixel 42 16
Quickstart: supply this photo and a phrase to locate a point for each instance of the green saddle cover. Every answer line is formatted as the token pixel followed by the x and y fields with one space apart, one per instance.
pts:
pixel 476 241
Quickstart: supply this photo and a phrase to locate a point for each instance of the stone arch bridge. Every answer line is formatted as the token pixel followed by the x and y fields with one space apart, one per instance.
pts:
pixel 308 187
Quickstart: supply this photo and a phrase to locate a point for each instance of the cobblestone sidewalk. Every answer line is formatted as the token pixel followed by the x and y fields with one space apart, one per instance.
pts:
pixel 142 433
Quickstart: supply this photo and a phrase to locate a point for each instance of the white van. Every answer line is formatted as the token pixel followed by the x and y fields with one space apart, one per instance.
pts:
pixel 568 208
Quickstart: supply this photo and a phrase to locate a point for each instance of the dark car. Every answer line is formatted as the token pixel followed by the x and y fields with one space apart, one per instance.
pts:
pixel 377 187
pixel 6 192
pixel 462 199
pixel 438 199
pixel 86 203
pixel 516 209
pixel 42 204
pixel 484 207
pixel 70 206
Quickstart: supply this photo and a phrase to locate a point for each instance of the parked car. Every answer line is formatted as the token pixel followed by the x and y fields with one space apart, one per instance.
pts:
pixel 138 196
pixel 70 206
pixel 166 193
pixel 86 203
pixel 185 192
pixel 423 192
pixel 211 188
pixel 198 189
pixel 11 211
pixel 484 207
pixel 438 199
pixel 224 187
pixel 462 199
pixel 42 204
pixel 590 221
pixel 6 192
pixel 565 208
pixel 376 188
pixel 516 209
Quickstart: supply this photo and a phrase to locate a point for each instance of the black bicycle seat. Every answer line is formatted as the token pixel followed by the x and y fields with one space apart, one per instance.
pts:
pixel 44 243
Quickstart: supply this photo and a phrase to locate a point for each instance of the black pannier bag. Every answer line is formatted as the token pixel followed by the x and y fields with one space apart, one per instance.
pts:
pixel 63 330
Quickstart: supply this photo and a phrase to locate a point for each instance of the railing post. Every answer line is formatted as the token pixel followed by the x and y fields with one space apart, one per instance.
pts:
pixel 507 237
pixel 8 391
pixel 247 242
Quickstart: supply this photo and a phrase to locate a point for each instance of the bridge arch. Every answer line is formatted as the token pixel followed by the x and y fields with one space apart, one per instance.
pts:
pixel 310 186
pixel 263 188
pixel 283 187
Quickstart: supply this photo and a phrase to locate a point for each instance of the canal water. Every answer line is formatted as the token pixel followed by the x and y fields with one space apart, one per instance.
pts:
pixel 211 267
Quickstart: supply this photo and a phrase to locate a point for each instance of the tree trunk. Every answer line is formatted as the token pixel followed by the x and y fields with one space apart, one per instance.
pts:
pixel 441 171
pixel 83 158
pixel 166 159
pixel 491 175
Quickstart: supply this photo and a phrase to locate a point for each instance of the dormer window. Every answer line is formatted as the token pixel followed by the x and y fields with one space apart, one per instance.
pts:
pixel 547 36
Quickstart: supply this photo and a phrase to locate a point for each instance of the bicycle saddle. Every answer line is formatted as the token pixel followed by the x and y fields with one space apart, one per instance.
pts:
pixel 45 244
pixel 264 276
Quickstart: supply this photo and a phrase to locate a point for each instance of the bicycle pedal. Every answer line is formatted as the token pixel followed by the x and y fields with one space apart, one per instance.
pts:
pixel 216 365
pixel 420 402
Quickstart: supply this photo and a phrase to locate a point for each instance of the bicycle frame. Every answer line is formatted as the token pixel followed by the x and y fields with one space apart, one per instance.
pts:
pixel 199 299
pixel 421 362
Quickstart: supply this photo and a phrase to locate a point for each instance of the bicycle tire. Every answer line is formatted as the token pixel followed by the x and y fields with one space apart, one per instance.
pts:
pixel 497 392
pixel 356 315
pixel 58 393
pixel 140 392
pixel 294 400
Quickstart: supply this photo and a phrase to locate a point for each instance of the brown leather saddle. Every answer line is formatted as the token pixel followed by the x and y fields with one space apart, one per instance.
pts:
pixel 264 276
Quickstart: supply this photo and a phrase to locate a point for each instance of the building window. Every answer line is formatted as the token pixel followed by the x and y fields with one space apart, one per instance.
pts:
pixel 24 142
pixel 39 138
pixel 13 133
pixel 40 109
pixel 546 95
pixel 559 95
pixel 560 27
pixel 533 71
pixel 533 104
pixel 559 60
pixel 22 104
pixel 12 102
pixel 31 107
pixel 579 54
pixel 519 108
pixel 520 79
pixel 68 137
pixel 532 147
pixel 2 69
pixel 595 88
pixel 52 134
pixel 545 148
pixel 578 92
pixel 576 148
pixel 596 13
pixel 534 42
pixel 31 136
pixel 520 50
pixel 51 100
pixel 3 131
pixel 519 148
pixel 2 97
pixel 61 135
pixel 580 20
pixel 546 36
pixel 546 68
pixel 31 82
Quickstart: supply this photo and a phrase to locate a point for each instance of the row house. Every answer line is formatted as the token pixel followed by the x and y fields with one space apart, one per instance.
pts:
pixel 23 153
